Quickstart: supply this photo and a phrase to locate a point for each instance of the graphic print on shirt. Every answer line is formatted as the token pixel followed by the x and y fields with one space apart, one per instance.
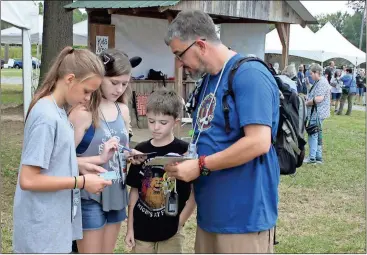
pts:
pixel 113 163
pixel 151 197
pixel 205 114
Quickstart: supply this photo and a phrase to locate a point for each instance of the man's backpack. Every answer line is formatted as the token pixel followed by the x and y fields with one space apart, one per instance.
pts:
pixel 289 142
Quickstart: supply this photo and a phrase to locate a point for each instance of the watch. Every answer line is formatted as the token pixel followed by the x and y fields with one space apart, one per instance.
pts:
pixel 204 171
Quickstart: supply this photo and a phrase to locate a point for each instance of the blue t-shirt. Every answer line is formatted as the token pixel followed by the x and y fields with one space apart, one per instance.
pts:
pixel 242 199
pixel 349 82
pixel 308 75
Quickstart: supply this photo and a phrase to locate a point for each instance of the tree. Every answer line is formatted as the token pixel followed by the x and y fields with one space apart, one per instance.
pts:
pixel 57 32
pixel 336 19
pixel 352 30
pixel 40 8
pixel 78 16
pixel 357 5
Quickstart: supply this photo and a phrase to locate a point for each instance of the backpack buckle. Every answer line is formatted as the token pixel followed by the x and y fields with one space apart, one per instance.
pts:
pixel 226 108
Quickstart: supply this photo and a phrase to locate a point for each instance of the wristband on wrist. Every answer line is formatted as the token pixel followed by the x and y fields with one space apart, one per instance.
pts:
pixel 75 182
pixel 83 182
pixel 204 171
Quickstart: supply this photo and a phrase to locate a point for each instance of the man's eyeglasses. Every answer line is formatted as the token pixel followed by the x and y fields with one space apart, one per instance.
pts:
pixel 179 56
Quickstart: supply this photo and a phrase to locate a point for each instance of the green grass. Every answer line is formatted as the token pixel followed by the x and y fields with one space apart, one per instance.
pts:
pixel 11 94
pixel 16 51
pixel 11 72
pixel 321 210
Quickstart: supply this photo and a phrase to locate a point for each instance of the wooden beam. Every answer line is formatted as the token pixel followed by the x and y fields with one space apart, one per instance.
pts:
pixel 112 11
pixel 163 9
pixel 178 80
pixel 143 14
pixel 283 32
pixel 275 11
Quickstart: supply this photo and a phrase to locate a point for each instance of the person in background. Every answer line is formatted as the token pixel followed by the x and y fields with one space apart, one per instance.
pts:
pixel 318 95
pixel 349 91
pixel 336 90
pixel 360 87
pixel 308 78
pixel 330 70
pixel 272 70
pixel 301 83
pixel 344 70
pixel 276 67
pixel 290 73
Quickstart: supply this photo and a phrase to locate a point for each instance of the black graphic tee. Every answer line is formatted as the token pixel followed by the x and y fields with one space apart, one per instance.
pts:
pixel 151 224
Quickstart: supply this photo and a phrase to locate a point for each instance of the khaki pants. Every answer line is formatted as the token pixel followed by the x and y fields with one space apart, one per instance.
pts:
pixel 259 242
pixel 172 245
pixel 350 99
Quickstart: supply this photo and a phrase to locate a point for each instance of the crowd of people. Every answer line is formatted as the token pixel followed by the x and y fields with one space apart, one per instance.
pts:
pixel 76 163
pixel 326 88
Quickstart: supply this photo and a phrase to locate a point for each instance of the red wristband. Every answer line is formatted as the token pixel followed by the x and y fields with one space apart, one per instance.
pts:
pixel 204 171
pixel 201 162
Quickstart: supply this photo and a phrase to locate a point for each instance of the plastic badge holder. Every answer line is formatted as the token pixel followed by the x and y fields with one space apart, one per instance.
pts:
pixel 109 176
pixel 170 158
pixel 172 203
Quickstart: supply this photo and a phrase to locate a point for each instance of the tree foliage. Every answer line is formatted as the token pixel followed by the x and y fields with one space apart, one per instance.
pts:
pixel 78 16
pixel 357 5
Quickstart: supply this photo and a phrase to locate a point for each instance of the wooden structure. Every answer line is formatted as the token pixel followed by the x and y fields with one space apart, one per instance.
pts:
pixel 281 13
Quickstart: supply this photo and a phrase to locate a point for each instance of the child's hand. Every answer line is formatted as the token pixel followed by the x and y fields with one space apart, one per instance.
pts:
pixel 129 239
pixel 109 149
pixel 135 159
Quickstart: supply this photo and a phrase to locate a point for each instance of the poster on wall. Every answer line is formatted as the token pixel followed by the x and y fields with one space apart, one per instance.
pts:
pixel 101 43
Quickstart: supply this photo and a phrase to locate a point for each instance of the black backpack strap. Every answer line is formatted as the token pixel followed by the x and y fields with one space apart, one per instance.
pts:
pixel 230 91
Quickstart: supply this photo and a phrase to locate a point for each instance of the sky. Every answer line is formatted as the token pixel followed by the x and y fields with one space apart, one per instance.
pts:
pixel 326 7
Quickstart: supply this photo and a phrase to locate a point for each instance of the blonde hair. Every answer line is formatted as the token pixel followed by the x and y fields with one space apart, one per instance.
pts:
pixel 80 62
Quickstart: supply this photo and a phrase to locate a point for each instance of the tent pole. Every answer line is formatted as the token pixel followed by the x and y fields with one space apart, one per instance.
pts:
pixel 27 70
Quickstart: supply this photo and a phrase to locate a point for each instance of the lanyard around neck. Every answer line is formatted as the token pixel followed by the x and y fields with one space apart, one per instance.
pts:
pixel 210 104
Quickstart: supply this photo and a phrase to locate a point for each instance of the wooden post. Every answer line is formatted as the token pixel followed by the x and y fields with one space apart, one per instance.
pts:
pixel 99 24
pixel 178 81
pixel 283 32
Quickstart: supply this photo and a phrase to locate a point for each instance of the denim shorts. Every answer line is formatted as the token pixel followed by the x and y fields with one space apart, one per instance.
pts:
pixel 360 91
pixel 93 217
pixel 336 96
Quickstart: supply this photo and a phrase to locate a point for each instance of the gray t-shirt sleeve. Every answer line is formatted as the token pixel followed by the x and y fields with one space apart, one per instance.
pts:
pixel 38 145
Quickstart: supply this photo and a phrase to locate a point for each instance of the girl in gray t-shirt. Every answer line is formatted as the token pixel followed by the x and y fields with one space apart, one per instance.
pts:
pixel 46 213
pixel 102 122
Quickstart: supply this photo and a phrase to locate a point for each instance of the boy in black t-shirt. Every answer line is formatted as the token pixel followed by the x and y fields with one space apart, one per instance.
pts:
pixel 149 229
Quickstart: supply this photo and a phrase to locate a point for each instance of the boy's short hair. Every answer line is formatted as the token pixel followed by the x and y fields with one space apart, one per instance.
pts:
pixel 166 102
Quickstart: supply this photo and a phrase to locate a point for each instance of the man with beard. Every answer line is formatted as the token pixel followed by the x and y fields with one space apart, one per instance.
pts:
pixel 237 170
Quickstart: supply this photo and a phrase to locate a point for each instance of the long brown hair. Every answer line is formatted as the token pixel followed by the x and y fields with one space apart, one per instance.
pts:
pixel 118 64
pixel 80 62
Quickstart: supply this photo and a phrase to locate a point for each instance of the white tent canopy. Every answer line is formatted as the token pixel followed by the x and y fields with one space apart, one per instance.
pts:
pixel 335 45
pixel 327 43
pixel 302 43
pixel 13 35
pixel 20 14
